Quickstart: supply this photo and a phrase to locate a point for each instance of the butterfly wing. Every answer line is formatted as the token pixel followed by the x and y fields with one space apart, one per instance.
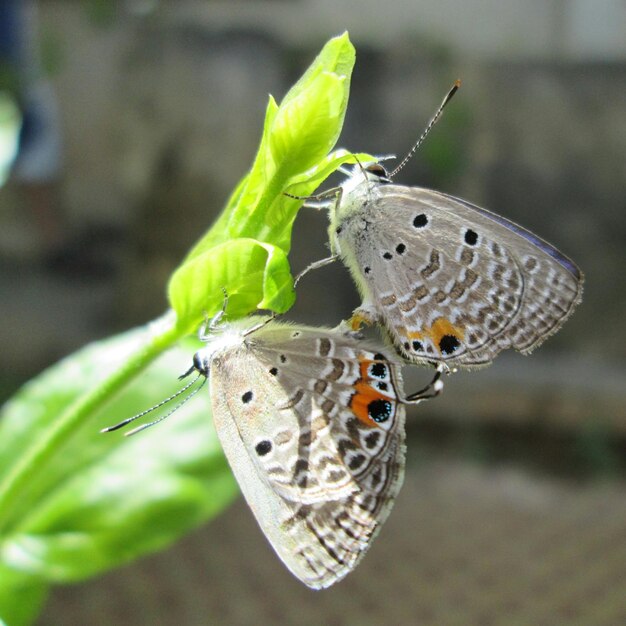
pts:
pixel 453 282
pixel 319 473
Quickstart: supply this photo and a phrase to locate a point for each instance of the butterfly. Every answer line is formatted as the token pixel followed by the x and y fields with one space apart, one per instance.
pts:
pixel 450 282
pixel 312 423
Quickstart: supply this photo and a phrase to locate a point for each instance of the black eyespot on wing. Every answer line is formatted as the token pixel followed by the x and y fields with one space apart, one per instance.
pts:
pixel 378 370
pixel 338 230
pixel 448 344
pixel 263 447
pixel 383 386
pixel 379 357
pixel 400 248
pixel 387 255
pixel 417 346
pixel 379 410
pixel 274 371
pixel 419 221
pixel 283 358
pixel 246 397
pixel 471 237
pixel 367 269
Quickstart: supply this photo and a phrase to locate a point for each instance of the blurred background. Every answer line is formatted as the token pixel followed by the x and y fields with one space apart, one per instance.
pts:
pixel 124 126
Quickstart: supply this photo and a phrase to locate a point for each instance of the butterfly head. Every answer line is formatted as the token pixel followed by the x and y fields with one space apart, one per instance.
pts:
pixel 368 172
pixel 221 338
pixel 375 172
pixel 201 364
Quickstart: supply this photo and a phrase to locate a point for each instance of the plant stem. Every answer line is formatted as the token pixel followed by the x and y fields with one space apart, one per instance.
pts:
pixel 163 334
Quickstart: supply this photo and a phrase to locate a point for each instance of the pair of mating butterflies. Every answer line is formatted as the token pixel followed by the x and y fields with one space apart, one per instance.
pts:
pixel 312 419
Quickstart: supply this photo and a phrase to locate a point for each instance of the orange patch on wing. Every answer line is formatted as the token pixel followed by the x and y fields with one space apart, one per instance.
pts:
pixel 364 365
pixel 359 403
pixel 364 394
pixel 440 328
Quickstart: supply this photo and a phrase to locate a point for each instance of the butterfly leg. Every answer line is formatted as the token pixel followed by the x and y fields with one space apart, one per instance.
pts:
pixel 432 390
pixel 304 272
pixel 345 328
pixel 363 316
pixel 321 200
pixel 211 323
pixel 314 266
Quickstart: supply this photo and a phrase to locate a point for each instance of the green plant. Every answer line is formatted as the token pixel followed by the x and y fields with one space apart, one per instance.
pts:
pixel 74 503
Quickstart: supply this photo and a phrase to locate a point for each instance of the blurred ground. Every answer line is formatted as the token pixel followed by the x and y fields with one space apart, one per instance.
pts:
pixel 465 544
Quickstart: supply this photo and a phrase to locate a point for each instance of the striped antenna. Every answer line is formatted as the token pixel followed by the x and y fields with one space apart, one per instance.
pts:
pixel 433 121
pixel 128 420
pixel 134 431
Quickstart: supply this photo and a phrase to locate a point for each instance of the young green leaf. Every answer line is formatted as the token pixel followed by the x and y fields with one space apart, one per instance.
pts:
pixel 301 133
pixel 338 55
pixel 253 274
pixel 297 136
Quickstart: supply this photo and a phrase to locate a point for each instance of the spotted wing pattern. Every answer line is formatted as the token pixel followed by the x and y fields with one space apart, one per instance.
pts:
pixel 312 427
pixel 452 282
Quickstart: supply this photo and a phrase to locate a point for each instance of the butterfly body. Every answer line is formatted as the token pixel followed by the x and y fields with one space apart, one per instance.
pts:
pixel 312 425
pixel 449 281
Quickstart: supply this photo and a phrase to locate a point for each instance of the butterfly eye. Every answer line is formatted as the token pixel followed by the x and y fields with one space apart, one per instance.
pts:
pixel 197 363
pixel 379 171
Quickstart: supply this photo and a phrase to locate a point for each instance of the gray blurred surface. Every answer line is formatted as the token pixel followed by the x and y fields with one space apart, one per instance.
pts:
pixel 161 113
pixel 464 545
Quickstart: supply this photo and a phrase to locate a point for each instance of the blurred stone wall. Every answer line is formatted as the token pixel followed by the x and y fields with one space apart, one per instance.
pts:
pixel 162 112
pixel 162 105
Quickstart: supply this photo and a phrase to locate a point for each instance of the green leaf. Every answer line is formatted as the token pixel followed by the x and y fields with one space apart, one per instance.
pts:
pixel 297 136
pixel 338 56
pixel 251 272
pixel 105 499
pixel 21 597
pixel 301 133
